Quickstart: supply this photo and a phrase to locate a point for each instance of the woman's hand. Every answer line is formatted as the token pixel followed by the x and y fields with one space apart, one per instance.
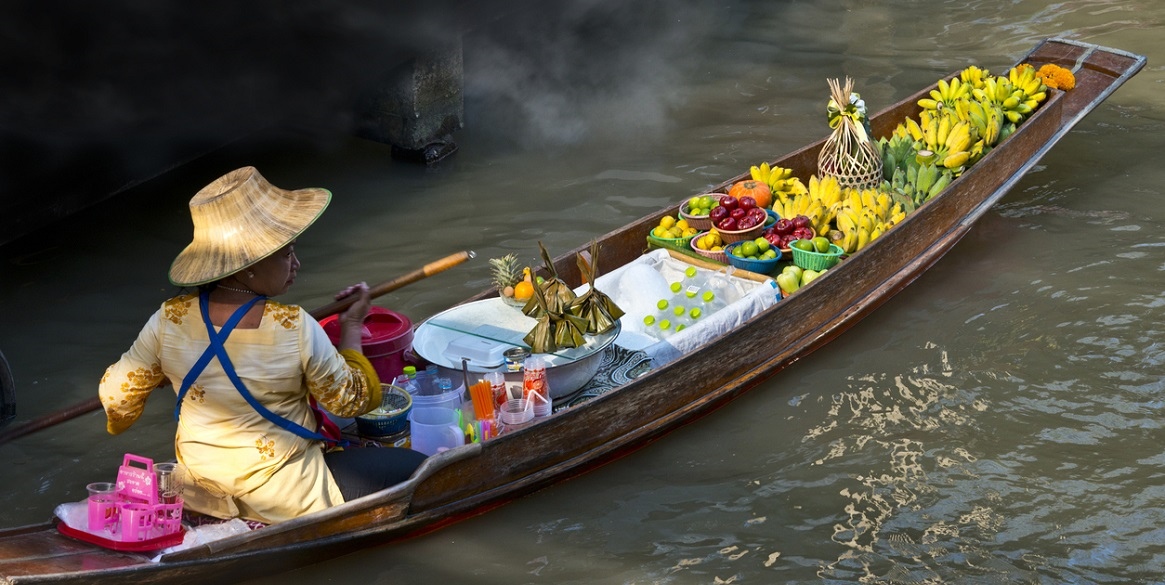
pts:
pixel 352 319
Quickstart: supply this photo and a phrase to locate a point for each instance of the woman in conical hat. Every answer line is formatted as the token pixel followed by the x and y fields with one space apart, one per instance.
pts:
pixel 246 367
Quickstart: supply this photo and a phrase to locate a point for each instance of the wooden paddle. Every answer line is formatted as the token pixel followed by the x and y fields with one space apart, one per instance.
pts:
pixel 92 404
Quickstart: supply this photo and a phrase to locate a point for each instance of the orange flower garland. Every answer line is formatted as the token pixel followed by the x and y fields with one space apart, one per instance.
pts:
pixel 1056 77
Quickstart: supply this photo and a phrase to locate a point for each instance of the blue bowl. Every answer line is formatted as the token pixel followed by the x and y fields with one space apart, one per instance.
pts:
pixel 757 266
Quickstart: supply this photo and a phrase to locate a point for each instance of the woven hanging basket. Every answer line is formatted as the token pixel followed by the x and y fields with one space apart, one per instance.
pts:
pixel 849 154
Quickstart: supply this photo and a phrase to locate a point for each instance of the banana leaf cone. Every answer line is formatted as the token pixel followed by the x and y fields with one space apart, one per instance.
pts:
pixel 559 296
pixel 597 308
pixel 541 337
pixel 569 330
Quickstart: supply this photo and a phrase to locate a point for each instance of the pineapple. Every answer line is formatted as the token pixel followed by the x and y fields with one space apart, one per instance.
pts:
pixel 506 273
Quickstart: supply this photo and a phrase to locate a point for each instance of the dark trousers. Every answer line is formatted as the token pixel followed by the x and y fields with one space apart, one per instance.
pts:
pixel 360 471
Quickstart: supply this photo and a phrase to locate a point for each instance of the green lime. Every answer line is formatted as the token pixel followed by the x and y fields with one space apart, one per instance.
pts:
pixel 748 248
pixel 806 245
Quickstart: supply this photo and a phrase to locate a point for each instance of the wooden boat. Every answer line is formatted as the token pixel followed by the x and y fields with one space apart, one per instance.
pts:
pixel 470 480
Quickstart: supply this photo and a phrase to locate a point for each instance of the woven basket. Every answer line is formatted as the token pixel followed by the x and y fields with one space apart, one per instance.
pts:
pixel 817 260
pixel 850 154
pixel 720 257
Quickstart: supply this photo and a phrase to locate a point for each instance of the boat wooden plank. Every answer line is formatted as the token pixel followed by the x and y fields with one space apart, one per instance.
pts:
pixel 474 479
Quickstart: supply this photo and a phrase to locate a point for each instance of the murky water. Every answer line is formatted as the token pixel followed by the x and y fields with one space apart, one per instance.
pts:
pixel 1000 421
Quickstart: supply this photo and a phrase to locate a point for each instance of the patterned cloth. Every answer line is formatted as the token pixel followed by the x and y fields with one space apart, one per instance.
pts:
pixel 239 464
pixel 618 366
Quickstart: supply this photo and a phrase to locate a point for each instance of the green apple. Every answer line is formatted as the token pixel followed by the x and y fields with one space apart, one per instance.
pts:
pixel 806 245
pixel 821 243
pixel 762 245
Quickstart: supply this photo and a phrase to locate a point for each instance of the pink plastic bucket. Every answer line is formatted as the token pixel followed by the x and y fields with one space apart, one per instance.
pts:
pixel 386 336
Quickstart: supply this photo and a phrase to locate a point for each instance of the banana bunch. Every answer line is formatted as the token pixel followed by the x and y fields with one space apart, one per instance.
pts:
pixel 863 216
pixel 943 139
pixel 780 180
pixel 974 76
pixel 898 153
pixel 929 181
pixel 946 95
pixel 987 123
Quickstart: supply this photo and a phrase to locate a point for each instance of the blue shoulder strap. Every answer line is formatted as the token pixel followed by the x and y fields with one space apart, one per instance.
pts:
pixel 217 349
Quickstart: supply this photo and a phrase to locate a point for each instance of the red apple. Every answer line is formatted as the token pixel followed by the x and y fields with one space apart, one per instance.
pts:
pixel 737 214
pixel 758 215
pixel 729 202
pixel 718 213
pixel 783 226
pixel 727 224
pixel 747 202
pixel 800 221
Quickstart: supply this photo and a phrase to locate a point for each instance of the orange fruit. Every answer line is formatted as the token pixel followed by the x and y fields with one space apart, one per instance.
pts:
pixel 523 290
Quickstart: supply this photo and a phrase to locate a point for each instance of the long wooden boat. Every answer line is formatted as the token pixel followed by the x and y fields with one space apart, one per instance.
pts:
pixel 470 480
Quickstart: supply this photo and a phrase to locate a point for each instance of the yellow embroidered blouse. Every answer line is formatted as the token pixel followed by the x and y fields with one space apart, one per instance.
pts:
pixel 238 462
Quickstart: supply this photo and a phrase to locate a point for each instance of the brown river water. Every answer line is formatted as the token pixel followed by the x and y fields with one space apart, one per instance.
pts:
pixel 999 421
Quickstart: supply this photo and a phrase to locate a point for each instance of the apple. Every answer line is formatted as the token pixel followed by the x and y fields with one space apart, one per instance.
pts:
pixel 758 215
pixel 801 221
pixel 783 226
pixel 803 233
pixel 729 202
pixel 718 213
pixel 773 239
pixel 727 224
pixel 738 214
pixel 747 202
pixel 821 243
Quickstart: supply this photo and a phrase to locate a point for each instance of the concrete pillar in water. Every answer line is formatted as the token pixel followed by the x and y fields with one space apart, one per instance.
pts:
pixel 417 105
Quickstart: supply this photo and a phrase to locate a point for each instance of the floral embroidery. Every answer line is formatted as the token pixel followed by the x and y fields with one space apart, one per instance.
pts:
pixel 196 393
pixel 266 447
pixel 176 308
pixel 142 378
pixel 285 315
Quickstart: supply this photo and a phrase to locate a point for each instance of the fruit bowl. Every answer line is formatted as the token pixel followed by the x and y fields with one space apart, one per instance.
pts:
pixel 709 254
pixel 700 222
pixel 816 260
pixel 673 243
pixel 757 266
pixel 739 235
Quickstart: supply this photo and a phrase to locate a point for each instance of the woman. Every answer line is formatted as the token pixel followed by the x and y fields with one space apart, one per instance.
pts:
pixel 246 367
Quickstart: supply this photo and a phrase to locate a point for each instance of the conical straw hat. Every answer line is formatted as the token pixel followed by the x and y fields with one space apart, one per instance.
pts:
pixel 240 219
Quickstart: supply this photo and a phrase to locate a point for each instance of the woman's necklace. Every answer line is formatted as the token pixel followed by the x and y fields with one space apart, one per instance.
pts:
pixel 239 290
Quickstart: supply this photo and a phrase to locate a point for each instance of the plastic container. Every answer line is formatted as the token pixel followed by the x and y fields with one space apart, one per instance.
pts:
pixel 516 414
pixel 385 337
pixel 757 266
pixel 817 260
pixel 695 297
pixel 434 430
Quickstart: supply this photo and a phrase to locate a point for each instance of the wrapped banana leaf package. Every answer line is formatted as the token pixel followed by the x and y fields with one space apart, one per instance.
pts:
pixel 596 308
pixel 559 295
pixel 541 337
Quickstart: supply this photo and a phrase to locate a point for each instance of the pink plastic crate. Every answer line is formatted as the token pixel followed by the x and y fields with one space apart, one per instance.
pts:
pixel 138 517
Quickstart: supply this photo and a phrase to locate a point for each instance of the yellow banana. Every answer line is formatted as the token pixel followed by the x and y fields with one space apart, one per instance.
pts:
pixel 863 238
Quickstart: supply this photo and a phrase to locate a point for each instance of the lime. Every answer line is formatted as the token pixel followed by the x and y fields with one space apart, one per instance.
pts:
pixel 748 248
pixel 806 245
pixel 762 245
pixel 821 243
pixel 706 202
pixel 693 204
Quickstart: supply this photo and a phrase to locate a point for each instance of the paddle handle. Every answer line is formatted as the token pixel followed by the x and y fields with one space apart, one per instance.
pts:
pixel 386 287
